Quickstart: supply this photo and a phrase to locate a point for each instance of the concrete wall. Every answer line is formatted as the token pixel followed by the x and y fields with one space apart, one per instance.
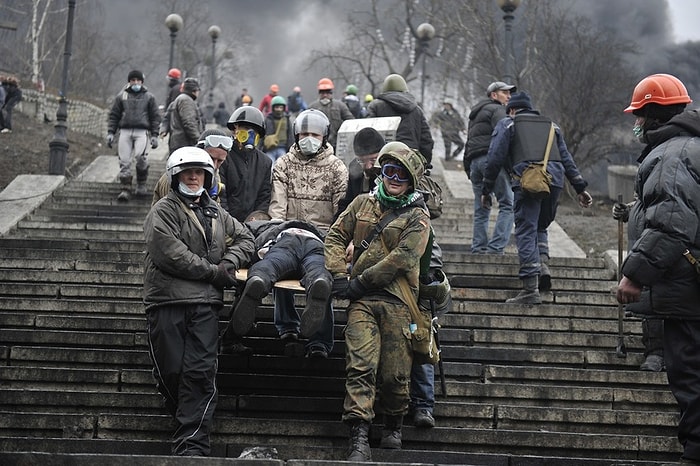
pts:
pixel 83 117
pixel 621 181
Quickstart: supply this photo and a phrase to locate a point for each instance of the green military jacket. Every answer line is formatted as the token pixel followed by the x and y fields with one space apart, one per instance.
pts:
pixel 405 237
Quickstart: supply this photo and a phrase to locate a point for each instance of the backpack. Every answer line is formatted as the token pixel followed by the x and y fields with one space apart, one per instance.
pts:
pixel 432 194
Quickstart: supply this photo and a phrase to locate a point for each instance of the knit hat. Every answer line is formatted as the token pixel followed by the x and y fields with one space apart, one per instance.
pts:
pixel 519 100
pixel 499 86
pixel 367 141
pixel 190 85
pixel 136 74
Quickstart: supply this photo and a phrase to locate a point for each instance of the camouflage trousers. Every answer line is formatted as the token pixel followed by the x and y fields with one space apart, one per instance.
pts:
pixel 378 359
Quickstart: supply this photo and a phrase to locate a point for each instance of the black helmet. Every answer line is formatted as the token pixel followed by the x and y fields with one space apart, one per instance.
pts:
pixel 250 116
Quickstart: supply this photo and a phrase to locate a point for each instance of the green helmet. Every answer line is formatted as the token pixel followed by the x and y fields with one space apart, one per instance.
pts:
pixel 278 100
pixel 394 82
pixel 351 89
pixel 406 156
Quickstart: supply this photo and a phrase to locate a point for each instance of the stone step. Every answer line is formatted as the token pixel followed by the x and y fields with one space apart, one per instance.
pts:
pixel 331 434
pixel 39 230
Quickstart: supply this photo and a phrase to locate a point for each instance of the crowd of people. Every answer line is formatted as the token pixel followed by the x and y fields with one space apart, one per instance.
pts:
pixel 267 191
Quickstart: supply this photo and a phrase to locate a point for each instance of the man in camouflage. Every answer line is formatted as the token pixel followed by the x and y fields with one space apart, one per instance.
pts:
pixel 378 327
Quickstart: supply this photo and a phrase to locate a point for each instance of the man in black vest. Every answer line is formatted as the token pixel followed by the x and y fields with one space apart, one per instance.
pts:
pixel 516 142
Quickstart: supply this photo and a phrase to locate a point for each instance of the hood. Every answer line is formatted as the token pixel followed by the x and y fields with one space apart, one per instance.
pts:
pixel 480 105
pixel 683 124
pixel 402 102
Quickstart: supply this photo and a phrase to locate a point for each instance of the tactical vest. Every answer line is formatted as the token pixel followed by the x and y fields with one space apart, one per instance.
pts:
pixel 530 139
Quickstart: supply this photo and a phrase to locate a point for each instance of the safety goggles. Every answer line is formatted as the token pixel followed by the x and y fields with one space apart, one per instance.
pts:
pixel 395 172
pixel 220 142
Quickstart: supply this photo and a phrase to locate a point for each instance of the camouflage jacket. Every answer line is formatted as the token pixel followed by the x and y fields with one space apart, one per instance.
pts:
pixel 308 188
pixel 406 237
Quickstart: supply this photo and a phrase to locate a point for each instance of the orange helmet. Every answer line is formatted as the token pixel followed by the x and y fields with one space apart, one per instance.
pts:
pixel 325 84
pixel 274 88
pixel 174 73
pixel 662 89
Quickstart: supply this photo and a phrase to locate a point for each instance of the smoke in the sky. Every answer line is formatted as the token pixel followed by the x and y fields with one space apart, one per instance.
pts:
pixel 281 33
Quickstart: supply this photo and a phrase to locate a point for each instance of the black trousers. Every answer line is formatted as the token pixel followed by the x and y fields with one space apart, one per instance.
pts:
pixel 183 345
pixel 682 359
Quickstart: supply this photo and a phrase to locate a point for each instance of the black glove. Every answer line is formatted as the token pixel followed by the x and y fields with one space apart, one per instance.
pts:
pixel 154 142
pixel 110 140
pixel 225 275
pixel 356 289
pixel 340 287
pixel 621 211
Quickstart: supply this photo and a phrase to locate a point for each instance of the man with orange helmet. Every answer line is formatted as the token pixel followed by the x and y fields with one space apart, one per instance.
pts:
pixel 174 76
pixel 266 103
pixel 336 111
pixel 664 221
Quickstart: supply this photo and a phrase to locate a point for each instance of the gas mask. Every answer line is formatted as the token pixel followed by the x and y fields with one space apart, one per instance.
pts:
pixel 248 138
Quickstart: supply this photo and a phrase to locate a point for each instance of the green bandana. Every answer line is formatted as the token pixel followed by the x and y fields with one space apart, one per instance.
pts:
pixel 392 202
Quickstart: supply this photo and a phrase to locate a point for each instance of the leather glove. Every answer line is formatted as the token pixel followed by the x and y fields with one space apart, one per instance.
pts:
pixel 225 275
pixel 584 199
pixel 340 287
pixel 110 140
pixel 154 142
pixel 621 211
pixel 486 201
pixel 356 289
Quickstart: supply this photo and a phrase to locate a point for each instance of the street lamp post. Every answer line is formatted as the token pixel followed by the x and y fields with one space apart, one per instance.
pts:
pixel 214 33
pixel 425 32
pixel 508 7
pixel 58 147
pixel 173 22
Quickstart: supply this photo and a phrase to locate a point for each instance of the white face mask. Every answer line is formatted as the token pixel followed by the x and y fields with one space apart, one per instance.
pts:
pixel 187 192
pixel 325 101
pixel 309 145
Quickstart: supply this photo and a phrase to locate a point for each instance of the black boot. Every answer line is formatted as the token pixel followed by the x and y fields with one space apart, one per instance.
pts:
pixel 391 433
pixel 358 449
pixel 530 293
pixel 125 193
pixel 141 178
pixel 545 276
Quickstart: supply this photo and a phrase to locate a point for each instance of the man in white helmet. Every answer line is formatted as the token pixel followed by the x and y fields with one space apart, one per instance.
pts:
pixel 193 248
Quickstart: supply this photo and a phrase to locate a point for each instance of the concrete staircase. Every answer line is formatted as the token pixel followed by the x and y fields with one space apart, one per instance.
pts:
pixel 525 385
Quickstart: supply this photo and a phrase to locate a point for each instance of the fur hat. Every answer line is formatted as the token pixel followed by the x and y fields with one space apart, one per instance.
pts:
pixel 367 141
pixel 519 100
pixel 136 74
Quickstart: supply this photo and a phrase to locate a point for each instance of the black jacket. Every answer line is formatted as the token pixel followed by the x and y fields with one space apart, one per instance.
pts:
pixel 246 175
pixel 667 221
pixel 482 120
pixel 413 130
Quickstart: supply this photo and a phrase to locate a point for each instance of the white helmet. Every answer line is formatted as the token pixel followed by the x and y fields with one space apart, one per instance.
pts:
pixel 312 121
pixel 189 157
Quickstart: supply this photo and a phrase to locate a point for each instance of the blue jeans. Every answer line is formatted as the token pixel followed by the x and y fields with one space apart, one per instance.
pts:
pixel 532 218
pixel 287 318
pixel 276 153
pixel 422 386
pixel 295 256
pixel 504 222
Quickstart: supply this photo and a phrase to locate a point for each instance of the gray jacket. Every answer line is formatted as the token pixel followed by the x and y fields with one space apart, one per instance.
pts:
pixel 186 122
